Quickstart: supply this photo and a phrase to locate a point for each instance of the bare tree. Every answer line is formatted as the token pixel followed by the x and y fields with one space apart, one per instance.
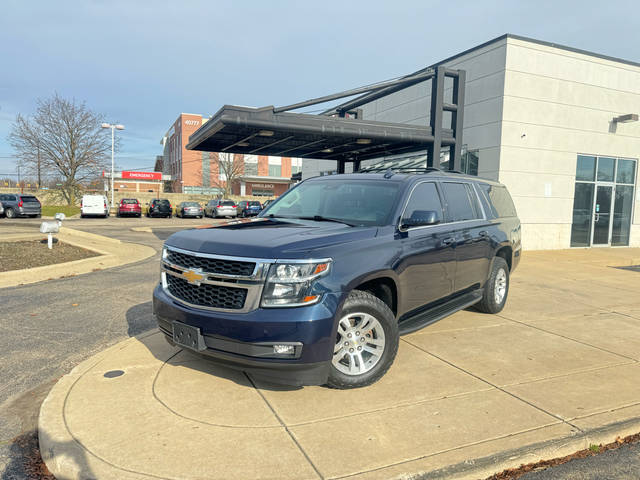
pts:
pixel 63 139
pixel 231 167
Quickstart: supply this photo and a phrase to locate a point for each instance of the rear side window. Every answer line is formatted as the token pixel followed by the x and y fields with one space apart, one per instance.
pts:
pixel 500 202
pixel 459 204
pixel 424 197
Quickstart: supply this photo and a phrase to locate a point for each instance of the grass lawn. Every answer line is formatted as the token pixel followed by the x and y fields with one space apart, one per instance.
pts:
pixel 51 210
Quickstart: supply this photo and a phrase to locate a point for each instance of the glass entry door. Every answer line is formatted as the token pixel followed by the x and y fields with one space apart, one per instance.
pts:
pixel 602 215
pixel 603 201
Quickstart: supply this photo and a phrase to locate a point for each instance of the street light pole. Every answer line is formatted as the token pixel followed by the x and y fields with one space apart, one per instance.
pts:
pixel 113 128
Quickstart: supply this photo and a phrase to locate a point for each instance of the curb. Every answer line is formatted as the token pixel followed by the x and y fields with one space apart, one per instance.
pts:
pixel 474 469
pixel 113 253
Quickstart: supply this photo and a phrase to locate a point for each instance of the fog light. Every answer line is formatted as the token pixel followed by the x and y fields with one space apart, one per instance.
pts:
pixel 284 349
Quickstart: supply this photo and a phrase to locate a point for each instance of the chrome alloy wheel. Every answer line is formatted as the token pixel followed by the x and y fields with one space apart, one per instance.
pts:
pixel 359 344
pixel 501 286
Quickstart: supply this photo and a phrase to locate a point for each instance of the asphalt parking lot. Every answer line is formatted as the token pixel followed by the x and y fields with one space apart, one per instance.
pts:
pixel 49 327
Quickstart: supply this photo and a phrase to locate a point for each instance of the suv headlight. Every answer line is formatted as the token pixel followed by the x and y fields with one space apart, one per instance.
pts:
pixel 289 284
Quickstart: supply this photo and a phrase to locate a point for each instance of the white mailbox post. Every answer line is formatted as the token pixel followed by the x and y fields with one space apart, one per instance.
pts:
pixel 52 227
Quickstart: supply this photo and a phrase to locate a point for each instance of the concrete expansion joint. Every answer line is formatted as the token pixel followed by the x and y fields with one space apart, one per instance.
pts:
pixel 498 387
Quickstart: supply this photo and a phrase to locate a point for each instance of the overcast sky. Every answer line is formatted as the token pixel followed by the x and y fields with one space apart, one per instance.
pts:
pixel 141 63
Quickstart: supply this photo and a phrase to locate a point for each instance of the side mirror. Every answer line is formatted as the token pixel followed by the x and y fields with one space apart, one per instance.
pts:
pixel 420 218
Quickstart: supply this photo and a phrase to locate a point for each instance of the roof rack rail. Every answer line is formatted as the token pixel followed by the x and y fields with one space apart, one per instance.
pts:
pixel 401 170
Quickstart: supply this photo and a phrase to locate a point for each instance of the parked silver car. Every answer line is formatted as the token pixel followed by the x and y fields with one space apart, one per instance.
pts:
pixel 20 205
pixel 189 209
pixel 221 208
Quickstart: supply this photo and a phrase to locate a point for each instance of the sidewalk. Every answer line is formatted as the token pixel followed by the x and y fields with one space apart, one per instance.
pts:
pixel 471 395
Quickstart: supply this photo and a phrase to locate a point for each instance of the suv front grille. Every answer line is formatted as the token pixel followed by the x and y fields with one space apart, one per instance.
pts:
pixel 205 295
pixel 211 265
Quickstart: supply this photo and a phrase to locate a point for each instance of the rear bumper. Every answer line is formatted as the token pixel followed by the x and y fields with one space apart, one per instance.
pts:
pixel 129 212
pixel 237 340
pixel 23 211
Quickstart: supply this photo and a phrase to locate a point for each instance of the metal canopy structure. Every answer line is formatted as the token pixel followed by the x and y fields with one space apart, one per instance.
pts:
pixel 339 134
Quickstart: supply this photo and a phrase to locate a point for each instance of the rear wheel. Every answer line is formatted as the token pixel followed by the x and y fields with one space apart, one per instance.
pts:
pixel 496 289
pixel 366 342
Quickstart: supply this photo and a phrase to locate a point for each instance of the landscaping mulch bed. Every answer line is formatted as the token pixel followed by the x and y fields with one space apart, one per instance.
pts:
pixel 515 473
pixel 35 253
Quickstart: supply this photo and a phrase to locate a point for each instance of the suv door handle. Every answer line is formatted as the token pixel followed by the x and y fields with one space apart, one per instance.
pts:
pixel 448 241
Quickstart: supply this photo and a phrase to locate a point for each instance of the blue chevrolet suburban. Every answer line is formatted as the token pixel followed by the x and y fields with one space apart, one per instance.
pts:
pixel 318 287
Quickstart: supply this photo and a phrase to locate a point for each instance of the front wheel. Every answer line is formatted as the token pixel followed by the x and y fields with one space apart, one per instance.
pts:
pixel 496 289
pixel 10 213
pixel 366 342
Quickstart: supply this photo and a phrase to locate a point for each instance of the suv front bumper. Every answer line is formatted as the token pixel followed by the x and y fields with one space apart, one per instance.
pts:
pixel 242 340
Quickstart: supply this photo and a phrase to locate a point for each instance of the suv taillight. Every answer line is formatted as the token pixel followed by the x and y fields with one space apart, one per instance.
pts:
pixel 20 203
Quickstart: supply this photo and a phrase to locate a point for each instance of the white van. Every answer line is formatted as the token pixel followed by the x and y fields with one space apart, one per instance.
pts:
pixel 94 205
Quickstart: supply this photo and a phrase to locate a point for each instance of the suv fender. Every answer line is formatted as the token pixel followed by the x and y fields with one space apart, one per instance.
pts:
pixel 371 277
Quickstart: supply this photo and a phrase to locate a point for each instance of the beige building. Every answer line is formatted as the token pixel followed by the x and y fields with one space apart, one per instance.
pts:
pixel 557 125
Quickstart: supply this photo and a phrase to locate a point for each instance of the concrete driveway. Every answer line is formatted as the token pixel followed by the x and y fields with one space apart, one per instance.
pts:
pixel 473 394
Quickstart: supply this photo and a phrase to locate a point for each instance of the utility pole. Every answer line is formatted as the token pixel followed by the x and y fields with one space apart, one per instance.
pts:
pixel 39 179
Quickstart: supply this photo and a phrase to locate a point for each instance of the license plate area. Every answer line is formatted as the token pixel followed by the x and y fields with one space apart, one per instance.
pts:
pixel 188 337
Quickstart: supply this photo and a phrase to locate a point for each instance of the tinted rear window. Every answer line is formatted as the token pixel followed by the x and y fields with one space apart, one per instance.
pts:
pixel 28 198
pixel 190 204
pixel 255 204
pixel 459 206
pixel 500 201
pixel 227 203
pixel 163 202
pixel 130 201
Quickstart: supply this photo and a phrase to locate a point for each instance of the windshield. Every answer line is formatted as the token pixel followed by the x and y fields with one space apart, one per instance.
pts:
pixel 358 202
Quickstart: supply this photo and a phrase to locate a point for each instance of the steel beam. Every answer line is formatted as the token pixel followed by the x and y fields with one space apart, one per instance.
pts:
pixel 437 101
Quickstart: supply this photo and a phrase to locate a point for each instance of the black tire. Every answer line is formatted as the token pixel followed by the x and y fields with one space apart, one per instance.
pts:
pixel 10 213
pixel 38 215
pixel 363 302
pixel 489 304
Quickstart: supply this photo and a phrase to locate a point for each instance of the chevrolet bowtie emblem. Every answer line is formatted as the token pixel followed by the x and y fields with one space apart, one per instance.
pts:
pixel 193 276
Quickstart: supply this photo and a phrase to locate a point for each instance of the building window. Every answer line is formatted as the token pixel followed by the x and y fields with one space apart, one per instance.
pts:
pixel 250 168
pixel 275 170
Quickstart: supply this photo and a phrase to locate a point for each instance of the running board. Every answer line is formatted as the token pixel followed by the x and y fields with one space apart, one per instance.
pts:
pixel 434 314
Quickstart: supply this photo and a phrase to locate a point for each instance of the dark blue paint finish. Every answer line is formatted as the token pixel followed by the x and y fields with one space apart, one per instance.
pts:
pixel 425 264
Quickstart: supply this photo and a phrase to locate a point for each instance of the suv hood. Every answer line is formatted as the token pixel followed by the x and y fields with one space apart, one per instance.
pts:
pixel 268 237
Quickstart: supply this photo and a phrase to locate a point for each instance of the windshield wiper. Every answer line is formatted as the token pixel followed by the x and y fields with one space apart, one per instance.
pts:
pixel 320 218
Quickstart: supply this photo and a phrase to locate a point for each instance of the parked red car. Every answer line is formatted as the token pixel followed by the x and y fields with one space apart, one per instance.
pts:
pixel 129 206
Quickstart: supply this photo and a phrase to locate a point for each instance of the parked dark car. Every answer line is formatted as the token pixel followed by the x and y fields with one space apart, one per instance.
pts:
pixel 160 208
pixel 221 208
pixel 319 287
pixel 130 207
pixel 189 209
pixel 249 208
pixel 20 205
